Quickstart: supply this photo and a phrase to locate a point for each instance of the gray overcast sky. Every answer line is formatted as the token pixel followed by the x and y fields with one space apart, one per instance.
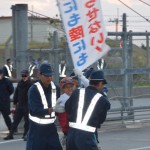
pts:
pixel 109 7
pixel 48 7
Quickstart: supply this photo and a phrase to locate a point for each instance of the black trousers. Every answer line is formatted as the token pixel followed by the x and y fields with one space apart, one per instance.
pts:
pixel 7 119
pixel 21 112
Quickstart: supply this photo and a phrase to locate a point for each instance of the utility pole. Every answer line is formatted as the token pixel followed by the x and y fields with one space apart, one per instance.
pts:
pixel 54 56
pixel 31 25
pixel 148 53
pixel 127 60
pixel 20 36
pixel 116 21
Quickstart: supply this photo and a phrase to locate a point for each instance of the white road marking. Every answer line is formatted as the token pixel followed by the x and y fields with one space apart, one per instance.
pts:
pixel 142 148
pixel 10 141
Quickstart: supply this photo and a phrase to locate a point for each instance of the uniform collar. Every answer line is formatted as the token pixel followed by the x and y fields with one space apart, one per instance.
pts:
pixel 92 88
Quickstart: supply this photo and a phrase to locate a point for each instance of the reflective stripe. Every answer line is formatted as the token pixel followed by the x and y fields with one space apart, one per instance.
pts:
pixel 100 65
pixel 8 70
pixel 80 105
pixel 6 77
pixel 47 116
pixel 43 98
pixel 82 127
pixel 53 97
pixel 82 124
pixel 62 73
pixel 41 121
pixel 11 67
pixel 31 71
pixel 91 108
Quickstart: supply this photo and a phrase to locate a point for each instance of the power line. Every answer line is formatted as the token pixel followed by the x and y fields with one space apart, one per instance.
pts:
pixel 144 2
pixel 39 14
pixel 31 12
pixel 135 11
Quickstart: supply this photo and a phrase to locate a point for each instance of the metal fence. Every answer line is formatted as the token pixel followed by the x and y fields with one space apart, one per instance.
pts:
pixel 127 67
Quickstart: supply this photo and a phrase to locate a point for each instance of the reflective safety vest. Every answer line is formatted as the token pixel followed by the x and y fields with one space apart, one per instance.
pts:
pixel 100 65
pixel 9 70
pixel 31 69
pixel 82 123
pixel 62 70
pixel 47 118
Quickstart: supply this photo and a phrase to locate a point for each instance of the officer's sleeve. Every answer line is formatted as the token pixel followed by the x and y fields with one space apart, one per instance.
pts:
pixel 104 106
pixel 72 102
pixel 57 91
pixel 5 71
pixel 68 104
pixel 35 103
pixel 10 87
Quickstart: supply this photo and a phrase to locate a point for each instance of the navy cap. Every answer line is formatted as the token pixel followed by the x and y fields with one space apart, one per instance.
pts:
pixel 89 72
pixel 1 71
pixel 46 70
pixel 98 75
pixel 25 72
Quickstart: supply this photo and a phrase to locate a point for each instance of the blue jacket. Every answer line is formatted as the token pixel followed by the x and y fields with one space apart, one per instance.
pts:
pixel 6 89
pixel 99 113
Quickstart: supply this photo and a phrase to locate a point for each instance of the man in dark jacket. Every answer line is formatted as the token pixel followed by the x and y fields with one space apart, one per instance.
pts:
pixel 6 89
pixel 87 110
pixel 20 101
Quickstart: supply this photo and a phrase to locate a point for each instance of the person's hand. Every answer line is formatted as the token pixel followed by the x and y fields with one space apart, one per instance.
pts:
pixel 78 72
pixel 50 110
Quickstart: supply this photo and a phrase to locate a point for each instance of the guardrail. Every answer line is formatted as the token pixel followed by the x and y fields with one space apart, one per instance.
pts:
pixel 120 113
pixel 125 116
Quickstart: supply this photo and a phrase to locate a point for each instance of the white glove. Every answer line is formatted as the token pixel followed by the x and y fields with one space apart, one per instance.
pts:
pixel 78 72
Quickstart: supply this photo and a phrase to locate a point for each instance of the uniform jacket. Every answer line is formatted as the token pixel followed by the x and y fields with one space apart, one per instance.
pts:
pixel 35 102
pixel 20 95
pixel 99 113
pixel 6 89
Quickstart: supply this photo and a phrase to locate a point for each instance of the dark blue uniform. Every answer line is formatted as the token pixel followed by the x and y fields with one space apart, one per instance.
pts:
pixel 41 136
pixel 5 71
pixel 80 139
pixel 6 89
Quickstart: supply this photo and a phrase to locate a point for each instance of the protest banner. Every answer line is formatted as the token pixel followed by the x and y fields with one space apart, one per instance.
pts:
pixel 85 31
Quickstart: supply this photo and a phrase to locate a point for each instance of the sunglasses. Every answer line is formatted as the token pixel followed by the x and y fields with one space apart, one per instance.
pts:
pixel 23 76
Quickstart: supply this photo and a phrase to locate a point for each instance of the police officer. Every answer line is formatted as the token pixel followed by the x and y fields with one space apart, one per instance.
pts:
pixel 6 89
pixel 7 69
pixel 42 97
pixel 32 69
pixel 87 110
pixel 20 101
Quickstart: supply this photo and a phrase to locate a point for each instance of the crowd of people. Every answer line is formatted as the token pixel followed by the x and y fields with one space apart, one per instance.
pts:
pixel 80 103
